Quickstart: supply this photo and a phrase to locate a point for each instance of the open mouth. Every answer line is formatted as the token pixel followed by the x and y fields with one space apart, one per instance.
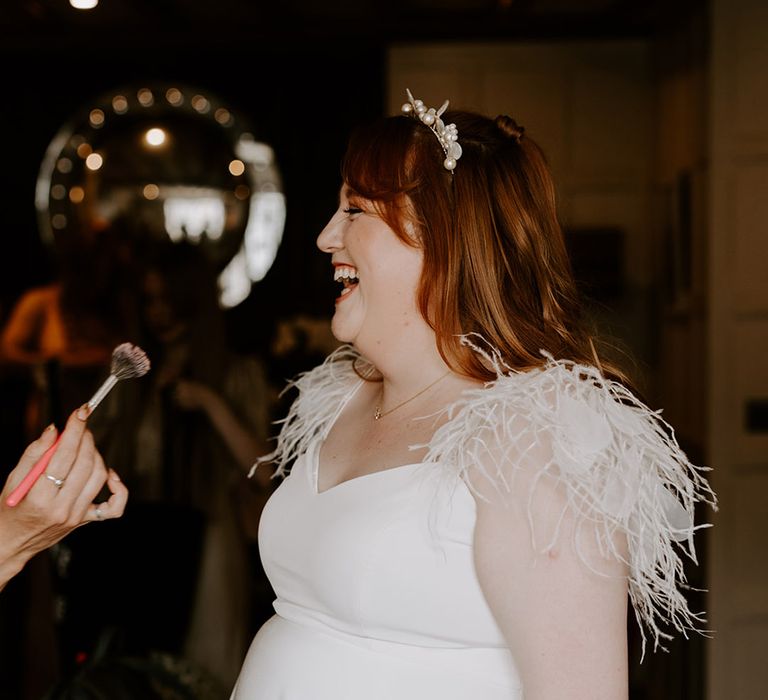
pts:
pixel 347 276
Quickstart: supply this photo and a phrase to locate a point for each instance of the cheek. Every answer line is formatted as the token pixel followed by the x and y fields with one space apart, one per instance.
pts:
pixel 391 269
pixel 412 268
pixel 403 286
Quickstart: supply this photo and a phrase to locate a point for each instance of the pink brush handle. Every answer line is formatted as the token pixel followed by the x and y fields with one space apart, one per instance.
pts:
pixel 34 474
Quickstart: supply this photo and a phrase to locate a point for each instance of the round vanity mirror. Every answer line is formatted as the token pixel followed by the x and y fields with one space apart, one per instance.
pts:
pixel 177 162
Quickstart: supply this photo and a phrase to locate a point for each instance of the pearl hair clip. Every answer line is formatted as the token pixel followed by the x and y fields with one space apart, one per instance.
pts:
pixel 447 135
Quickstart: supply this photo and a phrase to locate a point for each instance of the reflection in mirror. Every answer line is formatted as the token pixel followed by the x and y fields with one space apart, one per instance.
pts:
pixel 177 161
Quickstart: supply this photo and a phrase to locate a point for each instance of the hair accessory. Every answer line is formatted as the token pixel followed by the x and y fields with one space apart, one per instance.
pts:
pixel 447 135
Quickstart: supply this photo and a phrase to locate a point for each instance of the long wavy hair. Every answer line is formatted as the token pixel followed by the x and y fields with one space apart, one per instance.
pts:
pixel 495 260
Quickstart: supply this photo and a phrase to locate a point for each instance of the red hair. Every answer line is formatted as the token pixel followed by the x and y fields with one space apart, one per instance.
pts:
pixel 495 261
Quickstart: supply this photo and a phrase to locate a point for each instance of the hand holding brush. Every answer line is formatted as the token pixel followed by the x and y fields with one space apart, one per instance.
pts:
pixel 128 361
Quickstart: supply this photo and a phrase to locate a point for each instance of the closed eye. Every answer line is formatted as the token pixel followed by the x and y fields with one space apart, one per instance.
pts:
pixel 352 211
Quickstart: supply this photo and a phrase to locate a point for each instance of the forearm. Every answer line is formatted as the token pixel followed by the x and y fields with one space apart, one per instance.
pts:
pixel 242 443
pixel 8 570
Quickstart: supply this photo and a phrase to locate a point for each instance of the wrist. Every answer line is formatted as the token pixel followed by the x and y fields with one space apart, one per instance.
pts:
pixel 213 403
pixel 10 567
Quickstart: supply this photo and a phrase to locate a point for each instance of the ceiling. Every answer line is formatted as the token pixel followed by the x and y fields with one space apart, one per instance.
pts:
pixel 225 21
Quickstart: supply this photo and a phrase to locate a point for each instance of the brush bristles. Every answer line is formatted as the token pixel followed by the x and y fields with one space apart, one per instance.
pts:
pixel 129 361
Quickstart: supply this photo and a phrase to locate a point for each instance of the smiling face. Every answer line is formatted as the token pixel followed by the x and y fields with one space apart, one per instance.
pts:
pixel 379 274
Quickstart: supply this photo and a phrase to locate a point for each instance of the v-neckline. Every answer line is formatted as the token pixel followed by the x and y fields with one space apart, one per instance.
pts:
pixel 314 471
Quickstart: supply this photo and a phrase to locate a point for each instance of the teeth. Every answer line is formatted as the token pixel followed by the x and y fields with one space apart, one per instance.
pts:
pixel 344 273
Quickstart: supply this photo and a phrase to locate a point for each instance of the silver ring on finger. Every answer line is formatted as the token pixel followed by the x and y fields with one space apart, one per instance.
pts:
pixel 99 514
pixel 57 482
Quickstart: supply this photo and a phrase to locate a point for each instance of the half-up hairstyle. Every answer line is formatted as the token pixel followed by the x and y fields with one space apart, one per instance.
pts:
pixel 495 261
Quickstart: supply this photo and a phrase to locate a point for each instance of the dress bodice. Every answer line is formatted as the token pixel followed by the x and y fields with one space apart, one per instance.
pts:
pixel 375 599
pixel 375 577
pixel 364 559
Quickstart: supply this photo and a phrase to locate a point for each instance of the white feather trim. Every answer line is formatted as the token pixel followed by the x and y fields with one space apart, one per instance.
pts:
pixel 322 393
pixel 623 471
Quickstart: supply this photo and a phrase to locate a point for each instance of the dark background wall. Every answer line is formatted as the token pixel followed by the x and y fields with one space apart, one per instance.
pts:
pixel 302 100
pixel 303 72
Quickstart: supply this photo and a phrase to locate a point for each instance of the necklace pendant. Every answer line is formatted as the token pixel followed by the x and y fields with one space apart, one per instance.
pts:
pixel 377 413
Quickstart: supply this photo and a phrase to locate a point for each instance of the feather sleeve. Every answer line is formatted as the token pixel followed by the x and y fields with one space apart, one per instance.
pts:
pixel 322 392
pixel 617 462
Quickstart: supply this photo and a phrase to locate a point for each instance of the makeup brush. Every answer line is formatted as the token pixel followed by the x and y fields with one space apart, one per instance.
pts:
pixel 128 361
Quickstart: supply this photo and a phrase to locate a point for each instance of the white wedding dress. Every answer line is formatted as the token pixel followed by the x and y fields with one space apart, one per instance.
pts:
pixel 377 596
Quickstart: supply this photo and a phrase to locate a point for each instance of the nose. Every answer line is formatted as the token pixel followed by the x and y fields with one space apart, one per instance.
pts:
pixel 330 238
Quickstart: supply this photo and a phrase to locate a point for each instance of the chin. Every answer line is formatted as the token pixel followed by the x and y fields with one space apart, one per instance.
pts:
pixel 341 334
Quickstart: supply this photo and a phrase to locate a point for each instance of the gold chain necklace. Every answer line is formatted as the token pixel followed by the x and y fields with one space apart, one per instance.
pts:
pixel 378 413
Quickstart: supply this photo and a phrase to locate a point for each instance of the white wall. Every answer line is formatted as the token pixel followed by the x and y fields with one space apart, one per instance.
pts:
pixel 738 344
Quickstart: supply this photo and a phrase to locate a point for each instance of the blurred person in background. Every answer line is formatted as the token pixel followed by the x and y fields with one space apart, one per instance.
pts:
pixel 183 441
